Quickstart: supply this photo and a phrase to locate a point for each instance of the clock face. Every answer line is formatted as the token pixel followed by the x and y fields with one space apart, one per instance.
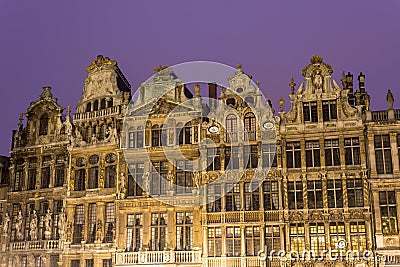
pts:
pixel 268 125
pixel 213 129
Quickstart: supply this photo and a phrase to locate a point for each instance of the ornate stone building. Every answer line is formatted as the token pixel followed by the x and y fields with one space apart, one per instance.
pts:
pixel 314 186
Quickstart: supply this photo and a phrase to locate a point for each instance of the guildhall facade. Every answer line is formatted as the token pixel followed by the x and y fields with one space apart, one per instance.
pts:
pixel 314 186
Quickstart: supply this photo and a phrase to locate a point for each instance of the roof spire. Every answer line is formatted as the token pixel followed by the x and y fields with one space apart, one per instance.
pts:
pixel 292 84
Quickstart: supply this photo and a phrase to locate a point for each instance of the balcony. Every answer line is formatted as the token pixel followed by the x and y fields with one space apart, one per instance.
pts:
pixel 157 257
pixel 36 245
pixel 240 216
pixel 242 262
pixel 116 110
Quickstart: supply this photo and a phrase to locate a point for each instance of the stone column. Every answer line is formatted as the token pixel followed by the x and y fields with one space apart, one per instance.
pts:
pixel 243 241
pixel 393 145
pixel 371 154
pixel 146 228
pixel 205 241
pixel 171 229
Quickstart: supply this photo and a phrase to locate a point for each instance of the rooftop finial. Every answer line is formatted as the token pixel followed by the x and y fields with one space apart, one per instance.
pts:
pixel 239 66
pixel 160 68
pixel 46 93
pixel 281 103
pixel 344 80
pixel 292 84
pixel 316 59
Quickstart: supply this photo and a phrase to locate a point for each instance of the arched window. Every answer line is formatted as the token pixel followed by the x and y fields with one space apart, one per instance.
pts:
pixel 250 126
pixel 110 102
pixel 184 134
pixel 158 136
pixel 96 105
pixel 231 128
pixel 44 124
pixel 103 103
pixel 89 107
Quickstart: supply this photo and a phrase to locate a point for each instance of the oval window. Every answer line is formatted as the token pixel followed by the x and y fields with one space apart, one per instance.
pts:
pixel 93 159
pixel 80 162
pixel 110 158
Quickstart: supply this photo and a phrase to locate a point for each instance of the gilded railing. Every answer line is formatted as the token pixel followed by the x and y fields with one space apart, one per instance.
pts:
pixel 98 113
pixel 36 245
pixel 157 257
pixel 240 216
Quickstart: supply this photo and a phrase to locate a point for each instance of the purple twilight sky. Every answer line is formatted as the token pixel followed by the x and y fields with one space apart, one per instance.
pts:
pixel 51 43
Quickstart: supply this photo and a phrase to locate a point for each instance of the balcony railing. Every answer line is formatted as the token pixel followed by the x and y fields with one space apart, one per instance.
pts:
pixel 36 245
pixel 242 262
pixel 157 257
pixel 241 216
pixel 380 115
pixel 98 113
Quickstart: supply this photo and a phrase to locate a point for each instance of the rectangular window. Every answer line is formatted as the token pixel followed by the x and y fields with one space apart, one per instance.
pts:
pixel 295 195
pixel 358 236
pixel 293 155
pixel 352 151
pixel 250 156
pixel 387 204
pixel 214 198
pixel 383 154
pixel 109 222
pixel 313 154
pixel 335 193
pixel 135 139
pixel 184 135
pixel 78 223
pixel 232 197
pixel 253 244
pixel 92 222
pixel 93 177
pixel 310 112
pixel 111 174
pixel 107 262
pixel 60 175
pixel 45 172
pixel 251 196
pixel 184 177
pixel 18 180
pixel 158 231
pixel 231 158
pixel 336 233
pixel 159 178
pixel 214 241
pixel 332 152
pixel 297 237
pixel 135 179
pixel 134 232
pixel 159 136
pixel 31 179
pixel 233 241
pixel 54 259
pixel 355 193
pixel 75 263
pixel 89 263
pixel 271 195
pixel 272 238
pixel 317 238
pixel 213 159
pixel 315 199
pixel 268 155
pixel 329 110
pixel 184 230
pixel 80 180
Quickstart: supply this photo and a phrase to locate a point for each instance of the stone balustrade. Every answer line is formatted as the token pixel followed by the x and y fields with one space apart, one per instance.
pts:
pixel 156 257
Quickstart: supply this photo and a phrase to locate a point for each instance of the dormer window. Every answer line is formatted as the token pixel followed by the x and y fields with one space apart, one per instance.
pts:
pixel 310 113
pixel 231 102
pixel 329 111
pixel 44 124
pixel 249 100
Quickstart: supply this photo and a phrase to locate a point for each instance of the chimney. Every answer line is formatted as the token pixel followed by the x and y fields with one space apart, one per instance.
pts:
pixel 361 82
pixel 212 94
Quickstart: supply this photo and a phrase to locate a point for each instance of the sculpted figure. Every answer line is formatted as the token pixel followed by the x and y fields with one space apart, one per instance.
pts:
pixel 18 226
pixel 61 224
pixel 6 221
pixel 47 224
pixel 33 226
